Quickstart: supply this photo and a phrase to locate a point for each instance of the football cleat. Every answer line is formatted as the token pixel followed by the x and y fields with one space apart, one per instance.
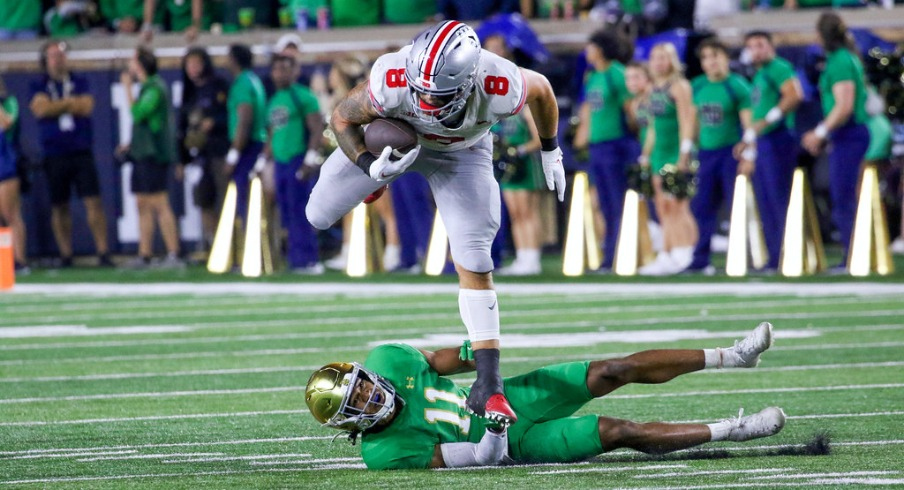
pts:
pixel 498 410
pixel 373 196
pixel 765 423
pixel 748 350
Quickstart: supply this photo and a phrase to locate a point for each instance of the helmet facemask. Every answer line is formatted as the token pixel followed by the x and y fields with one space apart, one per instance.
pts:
pixel 443 64
pixel 346 417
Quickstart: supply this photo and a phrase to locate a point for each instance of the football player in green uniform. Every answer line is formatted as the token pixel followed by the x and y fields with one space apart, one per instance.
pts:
pixel 411 416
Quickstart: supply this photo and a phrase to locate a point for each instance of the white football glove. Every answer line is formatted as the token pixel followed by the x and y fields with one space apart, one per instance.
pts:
pixel 383 169
pixel 313 158
pixel 554 171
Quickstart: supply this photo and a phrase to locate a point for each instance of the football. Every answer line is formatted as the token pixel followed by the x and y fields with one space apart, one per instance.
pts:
pixel 395 133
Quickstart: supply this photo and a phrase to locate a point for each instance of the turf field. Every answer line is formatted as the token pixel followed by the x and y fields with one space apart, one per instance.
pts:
pixel 194 385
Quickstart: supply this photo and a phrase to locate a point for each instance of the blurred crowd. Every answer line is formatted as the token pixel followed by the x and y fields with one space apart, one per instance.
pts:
pixel 637 124
pixel 67 18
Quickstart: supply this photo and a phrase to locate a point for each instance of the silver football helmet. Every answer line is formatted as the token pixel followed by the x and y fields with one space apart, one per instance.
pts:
pixel 329 392
pixel 442 63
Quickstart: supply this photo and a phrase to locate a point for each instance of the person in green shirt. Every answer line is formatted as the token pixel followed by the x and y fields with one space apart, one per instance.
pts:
pixel 722 99
pixel 152 152
pixel 776 94
pixel 185 16
pixel 842 89
pixel 246 108
pixel 409 11
pixel 410 415
pixel 19 19
pixel 10 203
pixel 295 129
pixel 603 128
pixel 670 141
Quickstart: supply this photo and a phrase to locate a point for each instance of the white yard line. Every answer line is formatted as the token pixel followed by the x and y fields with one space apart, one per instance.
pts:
pixel 846 474
pixel 801 389
pixel 70 454
pixel 606 469
pixel 714 472
pixel 812 483
pixel 183 355
pixel 232 442
pixel 90 458
pixel 812 416
pixel 532 304
pixel 174 374
pixel 502 285
pixel 146 475
pixel 302 461
pixel 151 417
pixel 188 458
pixel 154 394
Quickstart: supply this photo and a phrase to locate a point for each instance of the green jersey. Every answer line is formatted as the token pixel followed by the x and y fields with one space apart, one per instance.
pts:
pixel 843 66
pixel 605 92
pixel 248 89
pixel 665 124
pixel 18 15
pixel 152 137
pixel 117 9
pixel 526 173
pixel 719 104
pixel 767 90
pixel 433 411
pixel 286 113
pixel 408 11
pixel 11 108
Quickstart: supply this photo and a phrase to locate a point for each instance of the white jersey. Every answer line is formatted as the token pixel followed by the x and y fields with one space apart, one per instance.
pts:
pixel 499 92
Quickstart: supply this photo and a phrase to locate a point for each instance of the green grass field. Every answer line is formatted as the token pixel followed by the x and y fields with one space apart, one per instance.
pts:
pixel 185 387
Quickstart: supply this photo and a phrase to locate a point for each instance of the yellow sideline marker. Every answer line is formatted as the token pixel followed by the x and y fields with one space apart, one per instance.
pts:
pixel 634 249
pixel 437 249
pixel 252 255
pixel 745 236
pixel 869 250
pixel 7 260
pixel 220 260
pixel 802 252
pixel 581 248
pixel 365 243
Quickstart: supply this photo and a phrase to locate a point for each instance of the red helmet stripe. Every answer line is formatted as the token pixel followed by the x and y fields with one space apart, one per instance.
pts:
pixel 438 41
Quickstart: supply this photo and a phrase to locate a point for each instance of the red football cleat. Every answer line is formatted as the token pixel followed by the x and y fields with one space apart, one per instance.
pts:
pixel 498 410
pixel 375 194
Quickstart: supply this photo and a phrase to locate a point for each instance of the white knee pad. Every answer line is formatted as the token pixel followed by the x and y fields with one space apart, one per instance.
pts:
pixel 479 310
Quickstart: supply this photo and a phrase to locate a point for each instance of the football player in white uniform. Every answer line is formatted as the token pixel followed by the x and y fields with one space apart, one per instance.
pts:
pixel 452 92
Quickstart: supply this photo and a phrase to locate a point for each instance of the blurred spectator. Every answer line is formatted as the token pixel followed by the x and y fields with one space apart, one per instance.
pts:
pixel 247 118
pixel 670 142
pixel 125 16
pixel 69 18
pixel 19 19
pixel 10 211
pixel 409 11
pixel 842 89
pixel 180 16
pixel 603 129
pixel 295 134
pixel 475 9
pixel 152 152
pixel 555 9
pixel 203 131
pixel 519 147
pixel 63 105
pixel 639 83
pixel 245 14
pixel 776 94
pixel 722 99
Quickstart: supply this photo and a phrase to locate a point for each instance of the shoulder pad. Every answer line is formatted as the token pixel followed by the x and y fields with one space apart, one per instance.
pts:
pixel 501 83
pixel 387 86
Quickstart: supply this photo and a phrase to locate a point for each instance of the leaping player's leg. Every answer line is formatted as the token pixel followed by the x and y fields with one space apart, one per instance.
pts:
pixel 340 188
pixel 467 197
pixel 659 366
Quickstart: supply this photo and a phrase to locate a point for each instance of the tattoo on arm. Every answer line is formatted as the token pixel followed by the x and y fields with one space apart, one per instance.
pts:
pixel 350 114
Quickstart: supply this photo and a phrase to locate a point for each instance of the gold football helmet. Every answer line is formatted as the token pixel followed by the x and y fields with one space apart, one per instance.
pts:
pixel 330 388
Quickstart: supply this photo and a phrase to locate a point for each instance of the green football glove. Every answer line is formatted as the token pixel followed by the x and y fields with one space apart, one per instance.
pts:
pixel 466 353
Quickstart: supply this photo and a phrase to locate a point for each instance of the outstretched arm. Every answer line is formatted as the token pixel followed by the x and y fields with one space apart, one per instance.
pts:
pixel 542 102
pixel 448 361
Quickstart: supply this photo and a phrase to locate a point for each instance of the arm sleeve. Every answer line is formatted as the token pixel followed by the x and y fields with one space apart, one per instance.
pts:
pixel 490 451
pixel 11 106
pixel 309 103
pixel 743 90
pixel 146 104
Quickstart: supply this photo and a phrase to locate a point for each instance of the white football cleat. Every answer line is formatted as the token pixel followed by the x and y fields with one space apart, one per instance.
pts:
pixel 765 423
pixel 748 350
